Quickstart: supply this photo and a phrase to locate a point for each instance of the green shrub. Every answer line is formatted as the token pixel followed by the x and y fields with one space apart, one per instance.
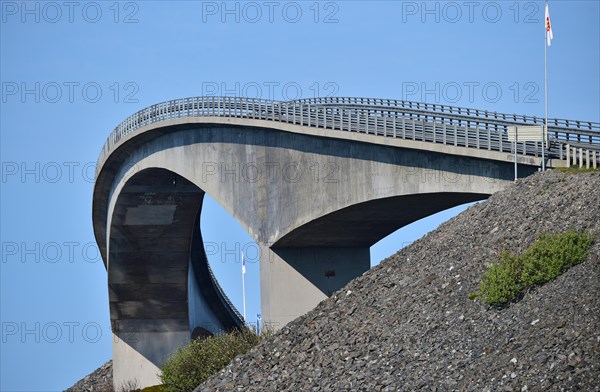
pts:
pixel 502 281
pixel 552 255
pixel 192 364
pixel 548 257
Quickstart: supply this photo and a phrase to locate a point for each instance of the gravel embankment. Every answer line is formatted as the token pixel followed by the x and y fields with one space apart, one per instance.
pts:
pixel 100 380
pixel 407 324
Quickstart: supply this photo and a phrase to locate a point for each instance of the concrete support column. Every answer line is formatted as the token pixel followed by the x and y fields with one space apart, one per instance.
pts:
pixel 294 280
pixel 138 355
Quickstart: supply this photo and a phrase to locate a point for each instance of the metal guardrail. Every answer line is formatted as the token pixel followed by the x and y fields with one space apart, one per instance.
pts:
pixel 236 313
pixel 408 120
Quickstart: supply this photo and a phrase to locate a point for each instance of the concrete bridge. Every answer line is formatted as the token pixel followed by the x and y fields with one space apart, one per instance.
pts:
pixel 315 182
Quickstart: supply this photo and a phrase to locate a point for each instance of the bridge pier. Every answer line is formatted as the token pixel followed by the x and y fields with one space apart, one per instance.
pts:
pixel 138 354
pixel 293 280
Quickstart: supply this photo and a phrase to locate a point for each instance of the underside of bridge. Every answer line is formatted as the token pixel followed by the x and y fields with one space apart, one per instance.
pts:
pixel 364 224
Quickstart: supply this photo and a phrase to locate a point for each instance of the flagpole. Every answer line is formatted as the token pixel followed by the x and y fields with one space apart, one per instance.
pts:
pixel 244 286
pixel 545 128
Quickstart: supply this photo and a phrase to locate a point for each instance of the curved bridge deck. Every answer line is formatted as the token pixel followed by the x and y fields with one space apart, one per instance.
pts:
pixel 408 120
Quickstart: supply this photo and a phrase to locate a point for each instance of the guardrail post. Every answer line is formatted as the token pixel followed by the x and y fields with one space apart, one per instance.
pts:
pixel 279 111
pixel 500 146
pixel 359 119
pixel 332 119
pixel 587 159
pixel 580 157
pixel 318 116
pixel 560 152
pixel 455 135
pixel 332 116
pixel 444 138
pixel 573 155
pixel 403 128
pixel 345 114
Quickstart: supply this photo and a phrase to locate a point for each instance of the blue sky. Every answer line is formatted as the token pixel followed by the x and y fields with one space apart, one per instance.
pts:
pixel 71 73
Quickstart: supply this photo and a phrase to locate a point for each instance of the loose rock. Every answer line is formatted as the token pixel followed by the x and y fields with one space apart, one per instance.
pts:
pixel 409 325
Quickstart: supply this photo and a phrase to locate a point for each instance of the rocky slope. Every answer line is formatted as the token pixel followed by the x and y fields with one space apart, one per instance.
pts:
pixel 407 324
pixel 100 380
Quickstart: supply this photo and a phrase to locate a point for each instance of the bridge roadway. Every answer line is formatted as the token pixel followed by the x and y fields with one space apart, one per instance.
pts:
pixel 315 182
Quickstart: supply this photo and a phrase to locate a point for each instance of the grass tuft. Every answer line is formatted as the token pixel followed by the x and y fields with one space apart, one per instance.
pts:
pixel 574 169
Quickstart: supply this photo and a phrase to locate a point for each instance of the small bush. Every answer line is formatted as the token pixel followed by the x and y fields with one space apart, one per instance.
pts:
pixel 502 281
pixel 552 255
pixel 548 257
pixel 191 365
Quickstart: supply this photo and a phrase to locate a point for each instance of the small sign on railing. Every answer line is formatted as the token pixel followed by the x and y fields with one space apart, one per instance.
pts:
pixel 525 133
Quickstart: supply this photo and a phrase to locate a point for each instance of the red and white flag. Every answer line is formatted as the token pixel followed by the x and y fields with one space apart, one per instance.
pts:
pixel 548 27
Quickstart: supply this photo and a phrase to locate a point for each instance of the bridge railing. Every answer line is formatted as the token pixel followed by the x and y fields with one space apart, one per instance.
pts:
pixel 416 121
pixel 436 109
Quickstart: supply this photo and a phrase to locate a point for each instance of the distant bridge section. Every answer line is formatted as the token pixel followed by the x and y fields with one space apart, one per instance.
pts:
pixel 315 182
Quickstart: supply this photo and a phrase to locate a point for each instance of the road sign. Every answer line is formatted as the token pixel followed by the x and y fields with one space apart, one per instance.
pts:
pixel 525 133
